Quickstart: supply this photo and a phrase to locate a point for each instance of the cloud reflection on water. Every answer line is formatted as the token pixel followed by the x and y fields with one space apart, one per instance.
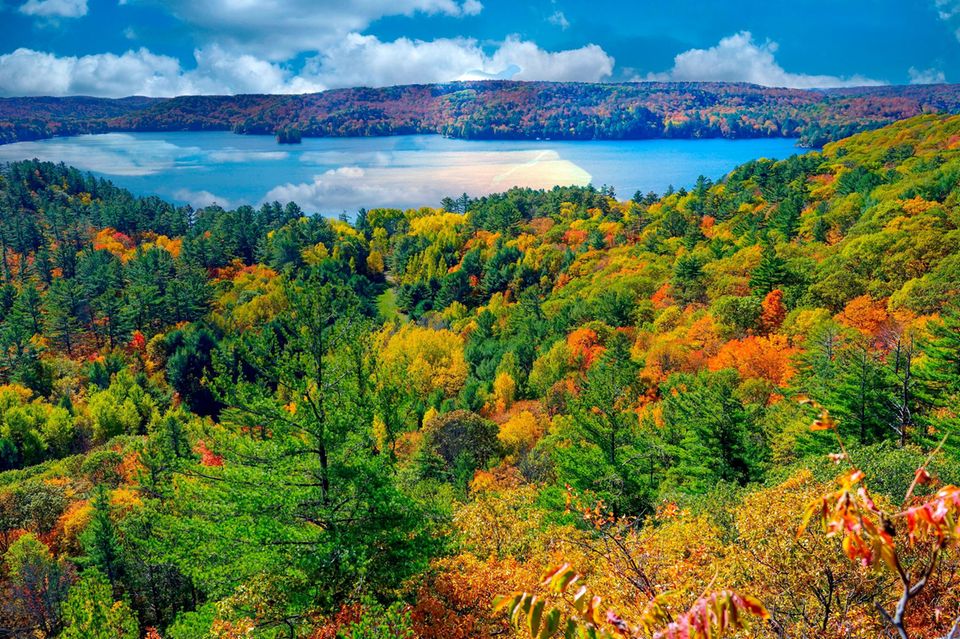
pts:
pixel 328 180
pixel 334 175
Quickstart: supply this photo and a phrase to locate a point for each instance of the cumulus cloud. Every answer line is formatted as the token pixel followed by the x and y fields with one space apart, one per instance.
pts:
pixel 358 60
pixel 361 60
pixel 291 46
pixel 279 29
pixel 926 76
pixel 54 8
pixel 29 72
pixel 949 12
pixel 738 58
pixel 140 72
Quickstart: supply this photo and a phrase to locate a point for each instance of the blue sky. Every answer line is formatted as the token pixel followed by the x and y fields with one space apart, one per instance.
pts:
pixel 150 47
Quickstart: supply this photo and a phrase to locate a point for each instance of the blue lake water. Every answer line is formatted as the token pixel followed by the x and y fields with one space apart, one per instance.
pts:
pixel 334 175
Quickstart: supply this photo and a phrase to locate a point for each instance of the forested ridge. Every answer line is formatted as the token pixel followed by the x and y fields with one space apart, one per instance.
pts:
pixel 498 110
pixel 729 409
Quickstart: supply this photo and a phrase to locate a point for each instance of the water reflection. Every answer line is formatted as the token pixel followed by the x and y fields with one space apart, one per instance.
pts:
pixel 331 175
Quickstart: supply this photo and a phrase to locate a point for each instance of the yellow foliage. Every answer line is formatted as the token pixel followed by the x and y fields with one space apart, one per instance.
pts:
pixel 521 432
pixel 315 254
pixel 375 262
pixel 432 360
pixel 504 391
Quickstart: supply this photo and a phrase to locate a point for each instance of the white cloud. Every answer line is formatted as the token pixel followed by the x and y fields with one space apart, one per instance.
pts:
pixel 201 199
pixel 926 76
pixel 589 63
pixel 140 72
pixel 54 8
pixel 947 9
pixel 737 58
pixel 471 7
pixel 279 29
pixel 361 60
pixel 428 178
pixel 559 20
pixel 358 60
pixel 29 72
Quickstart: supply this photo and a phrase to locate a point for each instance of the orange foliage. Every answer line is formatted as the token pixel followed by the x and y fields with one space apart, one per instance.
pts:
pixel 207 456
pixel 457 603
pixel 114 241
pixel 865 315
pixel 584 347
pixel 662 297
pixel 706 225
pixel 918 205
pixel 575 237
pixel 773 311
pixel 757 358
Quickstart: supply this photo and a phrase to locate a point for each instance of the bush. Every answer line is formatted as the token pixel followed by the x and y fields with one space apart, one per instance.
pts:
pixel 461 441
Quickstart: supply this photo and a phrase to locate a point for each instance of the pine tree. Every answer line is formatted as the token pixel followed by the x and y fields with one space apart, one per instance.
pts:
pixel 938 385
pixel 860 396
pixel 770 273
pixel 604 460
pixel 91 612
pixel 101 542
pixel 708 433
pixel 64 307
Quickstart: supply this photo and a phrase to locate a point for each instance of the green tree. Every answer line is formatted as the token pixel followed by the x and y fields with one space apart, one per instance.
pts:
pixel 39 584
pixel 101 543
pixel 64 306
pixel 605 457
pixel 860 395
pixel 313 508
pixel 688 279
pixel 708 433
pixel 91 612
pixel 770 273
pixel 939 381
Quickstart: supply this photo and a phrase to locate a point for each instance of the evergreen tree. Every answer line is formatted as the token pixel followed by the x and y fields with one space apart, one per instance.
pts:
pixel 604 456
pixel 101 543
pixel 91 612
pixel 64 309
pixel 313 505
pixel 860 395
pixel 709 435
pixel 770 273
pixel 688 279
pixel 939 382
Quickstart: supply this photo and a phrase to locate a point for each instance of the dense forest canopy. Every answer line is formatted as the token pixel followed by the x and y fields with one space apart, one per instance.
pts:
pixel 259 423
pixel 498 110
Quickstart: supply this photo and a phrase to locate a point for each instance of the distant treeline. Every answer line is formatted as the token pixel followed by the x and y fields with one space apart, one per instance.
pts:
pixel 498 110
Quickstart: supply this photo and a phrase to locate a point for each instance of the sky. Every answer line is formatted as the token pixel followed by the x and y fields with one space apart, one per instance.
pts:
pixel 115 48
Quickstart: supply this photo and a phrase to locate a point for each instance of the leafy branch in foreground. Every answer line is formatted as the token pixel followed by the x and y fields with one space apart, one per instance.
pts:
pixel 712 615
pixel 869 533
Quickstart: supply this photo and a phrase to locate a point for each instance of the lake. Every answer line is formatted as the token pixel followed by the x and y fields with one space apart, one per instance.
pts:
pixel 335 175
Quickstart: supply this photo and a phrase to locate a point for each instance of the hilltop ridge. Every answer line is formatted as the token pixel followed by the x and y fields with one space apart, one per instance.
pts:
pixel 498 109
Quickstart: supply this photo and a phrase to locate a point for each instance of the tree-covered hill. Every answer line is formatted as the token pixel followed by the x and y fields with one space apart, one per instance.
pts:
pixel 498 110
pixel 258 423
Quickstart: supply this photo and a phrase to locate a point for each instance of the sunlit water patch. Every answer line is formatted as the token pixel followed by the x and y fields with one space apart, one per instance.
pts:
pixel 334 175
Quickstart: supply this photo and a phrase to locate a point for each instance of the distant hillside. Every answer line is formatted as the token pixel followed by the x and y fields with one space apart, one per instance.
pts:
pixel 499 110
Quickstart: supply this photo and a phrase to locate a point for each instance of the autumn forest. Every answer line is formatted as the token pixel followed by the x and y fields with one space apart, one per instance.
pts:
pixel 729 409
